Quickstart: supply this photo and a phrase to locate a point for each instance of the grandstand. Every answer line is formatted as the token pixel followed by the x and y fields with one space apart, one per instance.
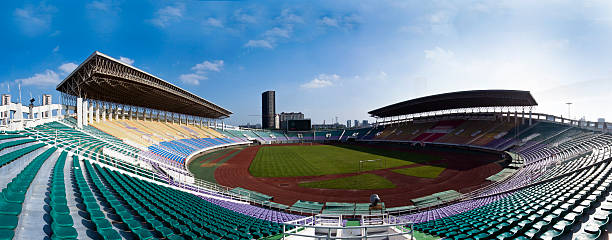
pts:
pixel 111 164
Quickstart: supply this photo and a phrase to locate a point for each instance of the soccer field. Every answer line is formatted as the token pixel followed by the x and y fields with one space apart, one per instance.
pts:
pixel 317 160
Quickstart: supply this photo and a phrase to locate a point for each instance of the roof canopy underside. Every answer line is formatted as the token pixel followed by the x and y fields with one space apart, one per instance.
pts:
pixel 458 100
pixel 104 78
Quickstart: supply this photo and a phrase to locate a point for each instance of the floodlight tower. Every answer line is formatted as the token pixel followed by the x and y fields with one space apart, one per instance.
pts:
pixel 568 110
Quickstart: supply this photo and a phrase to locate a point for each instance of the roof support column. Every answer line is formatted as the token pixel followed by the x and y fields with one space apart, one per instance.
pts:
pixel 90 111
pixel 85 120
pixel 97 111
pixel 515 117
pixel 119 112
pixel 103 111
pixel 79 112
pixel 508 117
pixel 110 111
pixel 530 116
pixel 130 113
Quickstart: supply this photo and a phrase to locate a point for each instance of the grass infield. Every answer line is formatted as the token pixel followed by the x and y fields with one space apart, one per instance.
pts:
pixel 422 171
pixel 204 166
pixel 318 160
pixel 362 182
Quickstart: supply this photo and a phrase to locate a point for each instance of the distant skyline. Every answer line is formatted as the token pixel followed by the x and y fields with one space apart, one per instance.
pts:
pixel 326 59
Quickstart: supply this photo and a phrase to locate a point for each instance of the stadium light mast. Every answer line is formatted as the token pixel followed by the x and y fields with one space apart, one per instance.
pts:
pixel 568 110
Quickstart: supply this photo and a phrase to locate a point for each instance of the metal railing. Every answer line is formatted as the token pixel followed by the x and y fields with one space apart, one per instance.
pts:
pixel 385 226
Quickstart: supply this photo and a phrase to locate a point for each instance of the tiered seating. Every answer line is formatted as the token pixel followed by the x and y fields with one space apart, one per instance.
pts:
pixel 86 145
pixel 570 169
pixel 538 132
pixel 61 221
pixel 562 182
pixel 354 133
pixel 329 135
pixel 273 136
pixel 102 226
pixel 178 150
pixel 251 194
pixel 71 138
pixel 306 206
pixel 146 133
pixel 251 134
pixel 171 212
pixel 125 216
pixel 364 208
pixel 265 213
pixel 339 208
pixel 13 155
pixel 409 131
pixel 13 196
pixel 498 131
pixel 548 210
pixel 293 136
pixel 231 133
pixel 167 143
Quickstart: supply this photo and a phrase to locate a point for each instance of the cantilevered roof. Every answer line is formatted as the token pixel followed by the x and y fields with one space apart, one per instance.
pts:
pixel 104 78
pixel 457 100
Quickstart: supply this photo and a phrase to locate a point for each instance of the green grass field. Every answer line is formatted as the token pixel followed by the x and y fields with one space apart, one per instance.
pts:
pixel 203 168
pixel 422 172
pixel 362 182
pixel 318 160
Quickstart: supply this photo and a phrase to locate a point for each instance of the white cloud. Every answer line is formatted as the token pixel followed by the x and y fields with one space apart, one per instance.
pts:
pixel 288 17
pixel 441 23
pixel 168 14
pixel 321 81
pixel 271 37
pixel 278 33
pixel 67 68
pixel 439 54
pixel 99 5
pixel 34 20
pixel 56 49
pixel 205 66
pixel 332 22
pixel 200 71
pixel 214 22
pixel 48 77
pixel 259 44
pixel 382 75
pixel 126 60
pixel 240 16
pixel 192 78
pixel 342 22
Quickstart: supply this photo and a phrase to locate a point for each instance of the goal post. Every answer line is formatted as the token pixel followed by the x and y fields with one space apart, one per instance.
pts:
pixel 371 164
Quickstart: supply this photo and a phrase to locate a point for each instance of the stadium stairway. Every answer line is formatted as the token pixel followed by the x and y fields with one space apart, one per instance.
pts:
pixel 21 195
pixel 88 201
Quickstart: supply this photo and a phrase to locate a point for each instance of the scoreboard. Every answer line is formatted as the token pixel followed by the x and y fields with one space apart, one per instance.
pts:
pixel 298 125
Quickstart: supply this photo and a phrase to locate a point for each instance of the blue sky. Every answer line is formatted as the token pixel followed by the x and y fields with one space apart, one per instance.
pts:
pixel 323 58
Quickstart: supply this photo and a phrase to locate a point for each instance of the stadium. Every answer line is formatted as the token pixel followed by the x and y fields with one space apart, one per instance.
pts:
pixel 128 155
